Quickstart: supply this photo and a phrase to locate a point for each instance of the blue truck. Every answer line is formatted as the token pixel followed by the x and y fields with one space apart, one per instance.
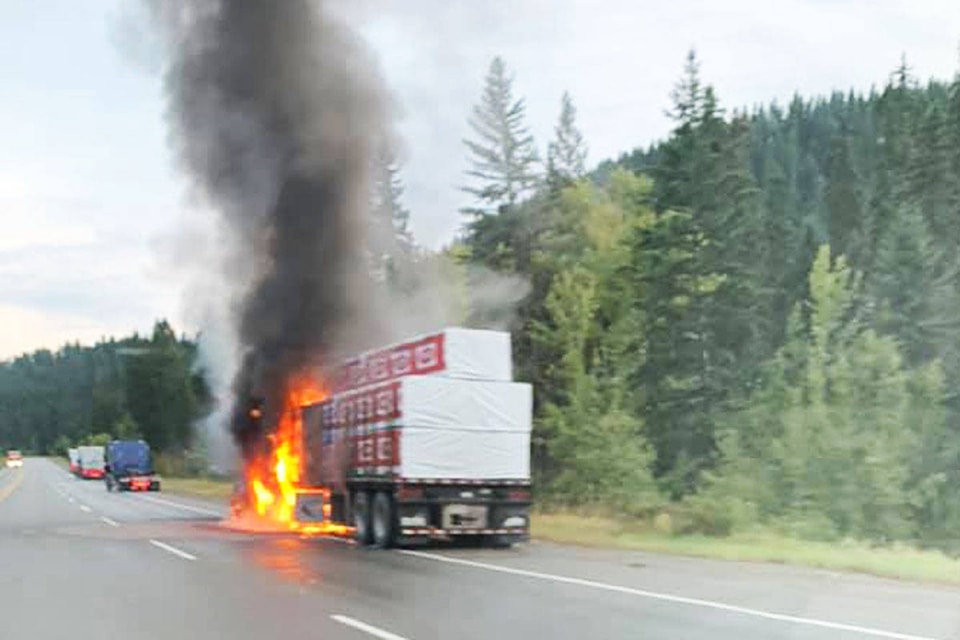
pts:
pixel 129 467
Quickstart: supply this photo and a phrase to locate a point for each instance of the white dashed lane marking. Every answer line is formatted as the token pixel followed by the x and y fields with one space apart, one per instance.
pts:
pixel 171 549
pixel 666 597
pixel 366 628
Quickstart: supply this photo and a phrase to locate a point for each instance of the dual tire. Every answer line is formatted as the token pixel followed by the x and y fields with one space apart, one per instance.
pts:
pixel 374 519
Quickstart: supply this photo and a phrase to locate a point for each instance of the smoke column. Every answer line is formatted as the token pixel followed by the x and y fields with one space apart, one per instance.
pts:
pixel 275 109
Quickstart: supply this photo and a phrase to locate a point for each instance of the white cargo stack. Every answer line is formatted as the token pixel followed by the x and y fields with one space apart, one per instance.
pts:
pixel 464 429
pixel 471 405
pixel 477 354
pixel 472 354
pixel 426 438
pixel 429 427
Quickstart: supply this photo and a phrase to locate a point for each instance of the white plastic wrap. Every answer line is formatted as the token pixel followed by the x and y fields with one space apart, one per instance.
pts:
pixel 466 429
pixel 470 454
pixel 424 427
pixel 478 354
pixel 469 404
pixel 452 353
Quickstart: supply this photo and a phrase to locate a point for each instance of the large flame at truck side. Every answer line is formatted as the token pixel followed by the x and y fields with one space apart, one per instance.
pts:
pixel 271 480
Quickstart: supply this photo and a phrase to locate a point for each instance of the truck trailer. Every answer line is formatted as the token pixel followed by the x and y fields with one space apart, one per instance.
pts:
pixel 90 462
pixel 424 440
pixel 74 457
pixel 129 467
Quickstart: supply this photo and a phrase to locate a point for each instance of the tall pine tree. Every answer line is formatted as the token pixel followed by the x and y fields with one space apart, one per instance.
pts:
pixel 502 154
pixel 567 153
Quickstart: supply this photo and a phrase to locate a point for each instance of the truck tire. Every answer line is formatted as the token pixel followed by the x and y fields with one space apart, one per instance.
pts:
pixel 500 542
pixel 383 520
pixel 361 517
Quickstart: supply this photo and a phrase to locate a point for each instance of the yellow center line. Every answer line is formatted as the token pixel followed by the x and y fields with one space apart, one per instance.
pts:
pixel 12 485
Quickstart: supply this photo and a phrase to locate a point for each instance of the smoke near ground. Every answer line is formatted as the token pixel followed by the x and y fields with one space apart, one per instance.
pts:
pixel 274 109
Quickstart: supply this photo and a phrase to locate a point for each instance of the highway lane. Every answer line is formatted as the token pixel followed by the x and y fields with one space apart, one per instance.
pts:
pixel 76 557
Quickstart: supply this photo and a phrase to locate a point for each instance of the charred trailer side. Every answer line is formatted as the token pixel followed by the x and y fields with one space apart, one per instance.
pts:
pixel 405 459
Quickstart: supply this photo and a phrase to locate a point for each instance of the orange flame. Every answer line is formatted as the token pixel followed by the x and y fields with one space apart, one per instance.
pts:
pixel 272 481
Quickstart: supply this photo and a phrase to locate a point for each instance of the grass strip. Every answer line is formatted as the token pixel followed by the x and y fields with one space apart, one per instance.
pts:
pixel 895 561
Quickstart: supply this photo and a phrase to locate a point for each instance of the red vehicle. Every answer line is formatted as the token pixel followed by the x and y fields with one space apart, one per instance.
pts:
pixel 90 460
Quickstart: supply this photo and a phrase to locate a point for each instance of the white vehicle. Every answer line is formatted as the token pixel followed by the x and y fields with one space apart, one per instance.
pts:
pixel 14 459
pixel 74 455
pixel 90 460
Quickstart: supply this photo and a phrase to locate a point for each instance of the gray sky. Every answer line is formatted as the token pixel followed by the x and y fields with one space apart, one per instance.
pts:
pixel 88 193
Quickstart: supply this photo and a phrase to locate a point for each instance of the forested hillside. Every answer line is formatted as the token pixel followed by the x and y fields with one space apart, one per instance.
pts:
pixel 133 387
pixel 755 318
pixel 751 322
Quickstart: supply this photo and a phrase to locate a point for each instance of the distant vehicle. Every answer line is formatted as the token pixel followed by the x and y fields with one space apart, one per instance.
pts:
pixel 90 462
pixel 14 459
pixel 129 468
pixel 74 457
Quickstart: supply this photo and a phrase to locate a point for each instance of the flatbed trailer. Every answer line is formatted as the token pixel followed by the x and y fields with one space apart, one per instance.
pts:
pixel 404 456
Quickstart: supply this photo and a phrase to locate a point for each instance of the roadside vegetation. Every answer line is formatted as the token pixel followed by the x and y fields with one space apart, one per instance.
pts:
pixel 207 488
pixel 749 326
pixel 743 338
pixel 899 561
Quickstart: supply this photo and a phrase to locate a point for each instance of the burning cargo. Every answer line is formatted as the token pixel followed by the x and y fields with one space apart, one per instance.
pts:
pixel 425 439
pixel 426 427
pixel 456 353
pixel 278 116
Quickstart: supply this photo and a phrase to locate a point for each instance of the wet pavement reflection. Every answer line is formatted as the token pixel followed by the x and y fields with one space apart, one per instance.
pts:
pixel 286 557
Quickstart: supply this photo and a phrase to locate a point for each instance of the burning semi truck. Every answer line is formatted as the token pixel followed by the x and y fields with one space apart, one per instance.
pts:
pixel 427 439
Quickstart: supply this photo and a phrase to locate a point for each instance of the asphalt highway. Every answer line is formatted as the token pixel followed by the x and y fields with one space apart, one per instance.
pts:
pixel 77 561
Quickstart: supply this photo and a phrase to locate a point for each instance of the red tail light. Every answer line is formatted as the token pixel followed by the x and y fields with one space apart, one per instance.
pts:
pixel 519 495
pixel 410 493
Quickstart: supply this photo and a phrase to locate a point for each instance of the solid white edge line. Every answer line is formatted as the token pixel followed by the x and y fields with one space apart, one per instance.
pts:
pixel 173 550
pixel 178 505
pixel 110 521
pixel 653 595
pixel 85 508
pixel 366 628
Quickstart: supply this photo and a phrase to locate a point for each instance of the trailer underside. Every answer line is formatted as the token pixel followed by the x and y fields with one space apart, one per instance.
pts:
pixel 390 512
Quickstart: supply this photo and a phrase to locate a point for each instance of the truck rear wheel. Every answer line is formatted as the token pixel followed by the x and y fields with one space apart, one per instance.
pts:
pixel 383 525
pixel 361 517
pixel 500 542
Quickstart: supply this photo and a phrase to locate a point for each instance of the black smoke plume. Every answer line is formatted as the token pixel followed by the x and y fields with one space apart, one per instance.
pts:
pixel 275 109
